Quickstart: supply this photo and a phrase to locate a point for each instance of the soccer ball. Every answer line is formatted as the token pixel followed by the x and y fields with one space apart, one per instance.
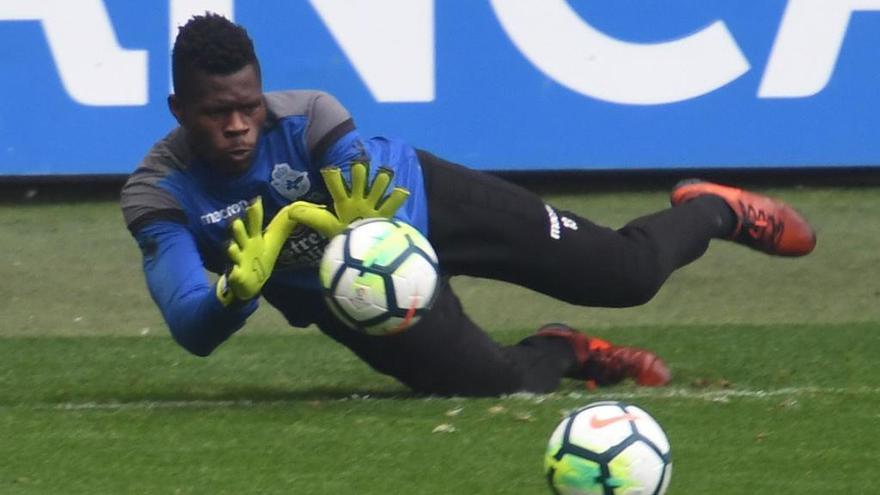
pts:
pixel 608 448
pixel 379 275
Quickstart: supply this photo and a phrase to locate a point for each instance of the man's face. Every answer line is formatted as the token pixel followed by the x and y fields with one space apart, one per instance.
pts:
pixel 223 116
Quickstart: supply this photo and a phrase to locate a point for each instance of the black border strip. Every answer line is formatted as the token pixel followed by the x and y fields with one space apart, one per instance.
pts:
pixel 169 214
pixel 63 188
pixel 331 137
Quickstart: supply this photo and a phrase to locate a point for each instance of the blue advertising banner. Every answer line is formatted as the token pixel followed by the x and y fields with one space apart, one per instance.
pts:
pixel 494 84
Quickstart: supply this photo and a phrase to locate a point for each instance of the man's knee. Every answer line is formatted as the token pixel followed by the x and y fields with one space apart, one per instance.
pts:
pixel 633 279
pixel 639 288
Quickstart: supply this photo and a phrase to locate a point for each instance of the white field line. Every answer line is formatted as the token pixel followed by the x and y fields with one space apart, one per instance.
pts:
pixel 714 395
pixel 709 395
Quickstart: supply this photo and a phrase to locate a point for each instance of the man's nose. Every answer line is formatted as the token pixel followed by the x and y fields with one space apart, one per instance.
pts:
pixel 236 124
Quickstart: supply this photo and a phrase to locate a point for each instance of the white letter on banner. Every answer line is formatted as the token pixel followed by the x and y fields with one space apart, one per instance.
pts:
pixel 94 69
pixel 807 46
pixel 561 44
pixel 180 11
pixel 390 43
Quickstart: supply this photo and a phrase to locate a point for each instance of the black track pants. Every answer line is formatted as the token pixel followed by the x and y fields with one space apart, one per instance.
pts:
pixel 483 226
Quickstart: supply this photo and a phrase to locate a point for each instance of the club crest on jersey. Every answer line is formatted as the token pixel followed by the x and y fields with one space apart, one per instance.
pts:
pixel 290 183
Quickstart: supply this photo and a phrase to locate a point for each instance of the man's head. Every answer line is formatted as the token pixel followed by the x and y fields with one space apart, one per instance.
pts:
pixel 218 96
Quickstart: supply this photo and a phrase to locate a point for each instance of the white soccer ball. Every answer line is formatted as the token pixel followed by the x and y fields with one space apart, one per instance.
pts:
pixel 379 275
pixel 608 448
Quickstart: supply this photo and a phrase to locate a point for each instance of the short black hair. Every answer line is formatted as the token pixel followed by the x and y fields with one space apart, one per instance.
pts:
pixel 212 44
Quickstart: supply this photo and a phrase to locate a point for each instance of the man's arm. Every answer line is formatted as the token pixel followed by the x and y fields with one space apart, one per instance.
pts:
pixel 178 283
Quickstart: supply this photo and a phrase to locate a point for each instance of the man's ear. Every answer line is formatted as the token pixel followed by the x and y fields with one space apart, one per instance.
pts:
pixel 176 108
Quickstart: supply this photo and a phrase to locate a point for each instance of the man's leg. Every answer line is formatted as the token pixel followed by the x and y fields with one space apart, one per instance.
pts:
pixel 483 226
pixel 446 353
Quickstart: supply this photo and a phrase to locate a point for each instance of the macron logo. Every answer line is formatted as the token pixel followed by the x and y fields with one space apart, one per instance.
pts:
pixel 230 211
pixel 557 223
pixel 554 222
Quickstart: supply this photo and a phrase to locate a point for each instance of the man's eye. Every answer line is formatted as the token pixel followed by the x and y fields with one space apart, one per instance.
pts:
pixel 216 112
pixel 250 109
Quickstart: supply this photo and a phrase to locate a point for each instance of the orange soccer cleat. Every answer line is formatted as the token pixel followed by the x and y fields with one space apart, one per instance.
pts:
pixel 601 363
pixel 763 223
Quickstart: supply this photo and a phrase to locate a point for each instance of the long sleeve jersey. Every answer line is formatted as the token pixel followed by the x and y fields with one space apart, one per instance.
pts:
pixel 179 211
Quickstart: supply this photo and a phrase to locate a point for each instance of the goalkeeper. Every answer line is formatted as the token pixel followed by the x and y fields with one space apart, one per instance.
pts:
pixel 251 185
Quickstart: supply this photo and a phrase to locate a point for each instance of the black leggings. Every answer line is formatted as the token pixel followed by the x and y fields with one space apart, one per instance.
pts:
pixel 483 226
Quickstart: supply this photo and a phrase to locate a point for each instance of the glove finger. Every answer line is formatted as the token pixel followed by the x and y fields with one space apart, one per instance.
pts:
pixel 279 229
pixel 239 233
pixel 236 279
pixel 232 276
pixel 379 186
pixel 297 207
pixel 234 253
pixel 335 184
pixel 359 173
pixel 393 202
pixel 316 217
pixel 254 217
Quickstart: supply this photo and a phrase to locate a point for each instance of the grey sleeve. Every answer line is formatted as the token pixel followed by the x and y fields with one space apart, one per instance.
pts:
pixel 143 202
pixel 327 119
pixel 142 199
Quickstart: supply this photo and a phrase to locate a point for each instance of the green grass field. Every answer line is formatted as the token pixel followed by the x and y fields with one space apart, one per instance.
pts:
pixel 776 388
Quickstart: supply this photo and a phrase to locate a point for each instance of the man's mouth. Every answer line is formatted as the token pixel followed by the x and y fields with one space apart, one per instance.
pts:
pixel 240 153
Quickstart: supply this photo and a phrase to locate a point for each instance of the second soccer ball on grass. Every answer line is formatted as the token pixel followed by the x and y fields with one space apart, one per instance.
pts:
pixel 608 448
pixel 379 276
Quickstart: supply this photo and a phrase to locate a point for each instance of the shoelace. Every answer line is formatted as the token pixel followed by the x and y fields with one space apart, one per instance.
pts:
pixel 615 364
pixel 759 227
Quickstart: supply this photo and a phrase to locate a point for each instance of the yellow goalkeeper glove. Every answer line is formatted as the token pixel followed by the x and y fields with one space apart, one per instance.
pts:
pixel 354 203
pixel 253 252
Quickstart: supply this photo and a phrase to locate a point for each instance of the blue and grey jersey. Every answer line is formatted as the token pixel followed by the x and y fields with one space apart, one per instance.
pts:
pixel 179 211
